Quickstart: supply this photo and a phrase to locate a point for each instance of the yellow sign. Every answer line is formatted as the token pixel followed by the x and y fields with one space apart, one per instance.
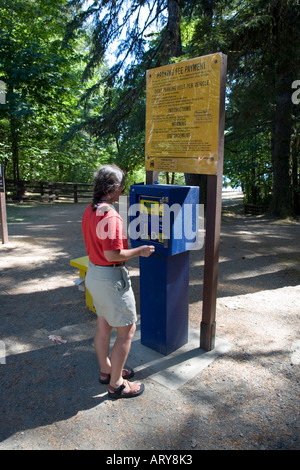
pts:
pixel 182 116
pixel 150 208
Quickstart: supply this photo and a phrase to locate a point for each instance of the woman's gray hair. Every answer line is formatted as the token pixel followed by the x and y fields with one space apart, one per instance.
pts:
pixel 106 180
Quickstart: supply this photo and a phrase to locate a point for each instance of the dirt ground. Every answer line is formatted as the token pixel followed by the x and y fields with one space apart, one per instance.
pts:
pixel 247 399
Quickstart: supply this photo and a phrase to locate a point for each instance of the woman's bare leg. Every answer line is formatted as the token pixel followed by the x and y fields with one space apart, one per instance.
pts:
pixel 120 352
pixel 101 343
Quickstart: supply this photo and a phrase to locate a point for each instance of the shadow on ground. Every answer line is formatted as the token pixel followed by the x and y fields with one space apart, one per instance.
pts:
pixel 247 400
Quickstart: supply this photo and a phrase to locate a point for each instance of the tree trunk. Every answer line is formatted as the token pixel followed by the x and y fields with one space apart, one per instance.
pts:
pixel 282 164
pixel 198 180
pixel 284 30
pixel 173 28
pixel 195 179
pixel 14 133
pixel 295 173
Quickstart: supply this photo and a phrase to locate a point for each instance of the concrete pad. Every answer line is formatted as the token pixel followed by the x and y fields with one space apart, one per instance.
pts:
pixel 175 369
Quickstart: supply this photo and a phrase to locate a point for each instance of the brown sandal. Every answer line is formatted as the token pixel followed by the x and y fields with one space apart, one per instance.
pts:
pixel 126 374
pixel 118 392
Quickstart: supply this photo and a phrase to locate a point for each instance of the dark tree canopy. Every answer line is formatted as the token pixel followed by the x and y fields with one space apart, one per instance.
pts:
pixel 67 102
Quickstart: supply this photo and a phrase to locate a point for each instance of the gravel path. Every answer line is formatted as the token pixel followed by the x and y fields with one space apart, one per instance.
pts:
pixel 246 399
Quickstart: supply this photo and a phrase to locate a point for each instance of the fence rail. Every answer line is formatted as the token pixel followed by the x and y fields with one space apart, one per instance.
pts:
pixel 47 190
pixel 256 209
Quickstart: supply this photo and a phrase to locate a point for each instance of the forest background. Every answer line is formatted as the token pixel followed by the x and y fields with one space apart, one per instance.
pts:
pixel 74 90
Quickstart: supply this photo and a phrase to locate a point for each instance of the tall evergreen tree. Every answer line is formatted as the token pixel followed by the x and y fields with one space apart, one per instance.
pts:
pixel 42 80
pixel 130 20
pixel 264 42
pixel 27 56
pixel 261 39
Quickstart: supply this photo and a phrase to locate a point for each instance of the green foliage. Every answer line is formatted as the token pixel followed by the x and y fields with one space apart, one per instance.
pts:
pixel 261 39
pixel 67 111
pixel 43 80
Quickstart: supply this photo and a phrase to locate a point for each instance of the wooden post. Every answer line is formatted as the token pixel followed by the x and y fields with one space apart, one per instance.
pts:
pixel 3 218
pixel 4 231
pixel 75 187
pixel 213 227
pixel 50 192
pixel 151 176
pixel 212 241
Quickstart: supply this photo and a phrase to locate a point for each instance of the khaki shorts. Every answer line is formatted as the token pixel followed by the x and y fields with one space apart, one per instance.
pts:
pixel 113 297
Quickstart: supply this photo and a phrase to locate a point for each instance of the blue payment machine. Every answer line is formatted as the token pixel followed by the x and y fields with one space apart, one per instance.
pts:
pixel 165 216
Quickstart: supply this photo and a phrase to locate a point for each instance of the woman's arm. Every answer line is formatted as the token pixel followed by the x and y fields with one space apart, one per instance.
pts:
pixel 124 254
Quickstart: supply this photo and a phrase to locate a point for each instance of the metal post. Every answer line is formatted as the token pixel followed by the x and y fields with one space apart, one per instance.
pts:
pixel 3 218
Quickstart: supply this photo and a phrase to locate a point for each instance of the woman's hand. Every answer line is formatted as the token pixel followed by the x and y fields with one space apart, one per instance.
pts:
pixel 146 250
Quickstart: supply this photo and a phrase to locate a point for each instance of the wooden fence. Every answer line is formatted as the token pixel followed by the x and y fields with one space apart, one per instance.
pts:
pixel 47 190
pixel 255 209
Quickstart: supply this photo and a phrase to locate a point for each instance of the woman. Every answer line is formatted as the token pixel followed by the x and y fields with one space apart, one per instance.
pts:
pixel 108 281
